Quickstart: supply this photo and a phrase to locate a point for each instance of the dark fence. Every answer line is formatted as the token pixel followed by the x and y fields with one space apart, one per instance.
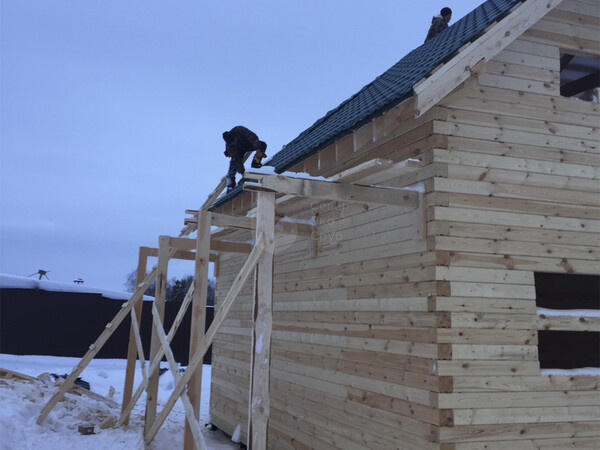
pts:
pixel 38 322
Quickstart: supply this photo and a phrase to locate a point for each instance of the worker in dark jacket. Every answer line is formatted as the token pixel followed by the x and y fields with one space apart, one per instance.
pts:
pixel 439 23
pixel 238 142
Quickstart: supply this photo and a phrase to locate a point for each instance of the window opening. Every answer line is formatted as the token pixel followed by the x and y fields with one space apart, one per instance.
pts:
pixel 568 298
pixel 579 77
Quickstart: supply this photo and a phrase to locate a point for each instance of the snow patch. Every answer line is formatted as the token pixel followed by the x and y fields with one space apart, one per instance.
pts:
pixel 568 312
pixel 259 343
pixel 583 371
pixel 237 434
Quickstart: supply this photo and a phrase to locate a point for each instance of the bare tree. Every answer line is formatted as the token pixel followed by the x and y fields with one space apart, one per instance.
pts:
pixel 131 283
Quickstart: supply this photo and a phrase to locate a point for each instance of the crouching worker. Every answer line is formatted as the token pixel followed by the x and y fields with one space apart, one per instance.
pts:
pixel 238 142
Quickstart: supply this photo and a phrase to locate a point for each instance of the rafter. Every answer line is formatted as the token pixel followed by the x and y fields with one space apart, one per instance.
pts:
pixel 327 190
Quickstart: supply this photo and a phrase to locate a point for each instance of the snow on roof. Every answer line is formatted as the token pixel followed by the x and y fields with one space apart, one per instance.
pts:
pixel 17 282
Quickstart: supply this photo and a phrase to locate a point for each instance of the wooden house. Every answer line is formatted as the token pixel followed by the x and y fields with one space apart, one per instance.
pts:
pixel 428 314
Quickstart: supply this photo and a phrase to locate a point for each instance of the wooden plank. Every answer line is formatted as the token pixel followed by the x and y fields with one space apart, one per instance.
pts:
pixel 260 398
pixel 520 137
pixel 485 305
pixel 493 321
pixel 466 274
pixel 483 336
pixel 372 304
pixel 424 350
pixel 408 370
pixel 197 440
pixel 503 432
pixel 140 351
pixel 523 178
pixel 477 400
pixel 132 350
pixel 333 191
pixel 520 84
pixel 380 420
pixel 495 383
pixel 361 171
pixel 531 124
pixel 525 415
pixel 7 374
pixel 476 352
pixel 482 216
pixel 525 262
pixel 512 102
pixel 396 170
pixel 194 389
pixel 159 300
pixel 568 323
pixel 441 83
pixel 306 374
pixel 521 234
pixel 218 246
pixel 580 8
pixel 226 221
pixel 566 257
pixel 478 368
pixel 520 199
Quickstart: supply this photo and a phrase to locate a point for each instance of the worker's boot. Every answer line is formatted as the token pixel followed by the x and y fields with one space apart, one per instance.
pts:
pixel 256 162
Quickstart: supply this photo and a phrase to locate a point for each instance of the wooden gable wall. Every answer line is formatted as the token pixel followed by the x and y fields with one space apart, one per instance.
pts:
pixel 521 195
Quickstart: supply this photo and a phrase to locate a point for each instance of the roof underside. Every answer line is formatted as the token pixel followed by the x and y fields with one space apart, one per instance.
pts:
pixel 387 90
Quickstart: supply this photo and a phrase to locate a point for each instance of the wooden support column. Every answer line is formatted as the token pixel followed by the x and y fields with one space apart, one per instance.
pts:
pixel 155 345
pixel 261 346
pixel 132 350
pixel 198 318
pixel 220 316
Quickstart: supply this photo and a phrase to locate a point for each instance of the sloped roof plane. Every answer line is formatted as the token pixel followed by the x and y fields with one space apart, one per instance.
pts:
pixel 396 84
pixel 392 87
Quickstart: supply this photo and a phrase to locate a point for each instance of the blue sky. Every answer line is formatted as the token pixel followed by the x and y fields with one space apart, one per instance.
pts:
pixel 112 112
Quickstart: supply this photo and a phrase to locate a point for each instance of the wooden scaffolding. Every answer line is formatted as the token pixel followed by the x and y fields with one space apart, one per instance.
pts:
pixel 270 190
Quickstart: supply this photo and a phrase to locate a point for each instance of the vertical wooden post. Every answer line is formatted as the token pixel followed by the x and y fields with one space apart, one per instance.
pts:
pixel 198 318
pixel 131 350
pixel 261 347
pixel 155 345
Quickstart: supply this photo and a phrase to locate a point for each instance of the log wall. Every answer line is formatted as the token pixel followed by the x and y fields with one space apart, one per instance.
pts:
pixel 387 338
pixel 521 196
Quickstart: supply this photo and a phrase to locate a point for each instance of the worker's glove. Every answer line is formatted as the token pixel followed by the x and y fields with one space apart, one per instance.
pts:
pixel 255 164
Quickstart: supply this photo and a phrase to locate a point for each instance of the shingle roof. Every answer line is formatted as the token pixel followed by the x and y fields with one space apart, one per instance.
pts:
pixel 387 90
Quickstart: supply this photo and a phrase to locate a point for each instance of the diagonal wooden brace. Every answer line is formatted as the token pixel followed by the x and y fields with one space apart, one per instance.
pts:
pixel 155 363
pixel 235 289
pixel 189 409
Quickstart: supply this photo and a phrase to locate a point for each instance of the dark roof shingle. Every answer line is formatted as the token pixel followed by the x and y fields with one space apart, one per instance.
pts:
pixel 387 90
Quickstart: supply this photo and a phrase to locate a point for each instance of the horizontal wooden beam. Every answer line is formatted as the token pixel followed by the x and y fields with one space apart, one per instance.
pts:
pixel 217 246
pixel 179 254
pixel 360 171
pixel 226 221
pixel 282 226
pixel 331 191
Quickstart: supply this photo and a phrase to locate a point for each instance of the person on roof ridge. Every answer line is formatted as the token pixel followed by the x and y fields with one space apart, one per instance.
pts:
pixel 240 141
pixel 439 23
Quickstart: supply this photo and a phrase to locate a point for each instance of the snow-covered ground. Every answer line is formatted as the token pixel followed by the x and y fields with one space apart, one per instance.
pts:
pixel 21 403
